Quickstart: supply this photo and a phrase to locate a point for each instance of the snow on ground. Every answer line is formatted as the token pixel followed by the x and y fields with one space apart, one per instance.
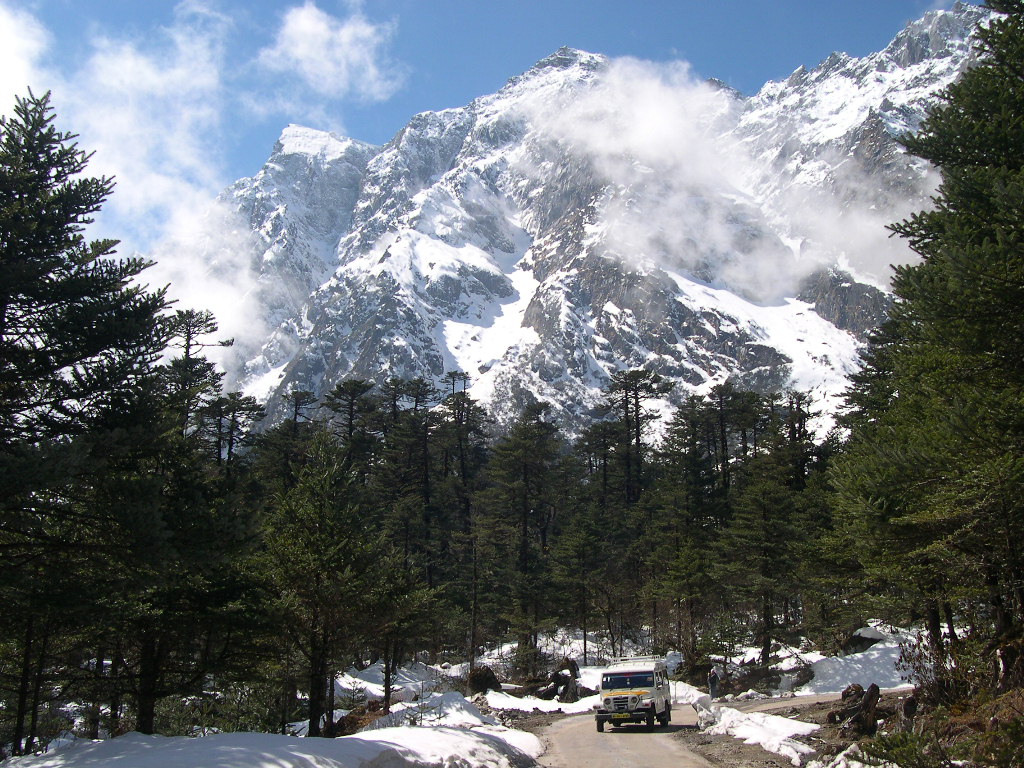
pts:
pixel 845 759
pixel 529 703
pixel 875 665
pixel 452 733
pixel 386 748
pixel 832 674
pixel 560 644
pixel 457 747
pixel 684 693
pixel 771 732
pixel 450 708
pixel 788 658
pixel 431 728
pixel 408 683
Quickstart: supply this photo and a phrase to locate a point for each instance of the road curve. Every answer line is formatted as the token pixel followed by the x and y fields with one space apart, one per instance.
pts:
pixel 574 742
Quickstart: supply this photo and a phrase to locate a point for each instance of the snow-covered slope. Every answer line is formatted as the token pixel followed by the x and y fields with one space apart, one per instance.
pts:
pixel 595 215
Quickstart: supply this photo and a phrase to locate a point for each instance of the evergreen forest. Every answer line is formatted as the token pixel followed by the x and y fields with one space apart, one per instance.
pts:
pixel 160 542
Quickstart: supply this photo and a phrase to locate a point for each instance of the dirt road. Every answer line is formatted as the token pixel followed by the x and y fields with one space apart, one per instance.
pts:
pixel 574 743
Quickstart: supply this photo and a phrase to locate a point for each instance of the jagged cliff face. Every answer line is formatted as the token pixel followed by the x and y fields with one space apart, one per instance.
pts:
pixel 554 232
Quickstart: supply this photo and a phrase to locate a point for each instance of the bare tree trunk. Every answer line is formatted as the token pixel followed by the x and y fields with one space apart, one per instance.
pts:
pixel 92 717
pixel 115 692
pixel 37 690
pixel 934 623
pixel 947 609
pixel 585 634
pixel 330 704
pixel 474 609
pixel 766 638
pixel 317 676
pixel 146 691
pixel 24 681
pixel 289 693
pixel 388 675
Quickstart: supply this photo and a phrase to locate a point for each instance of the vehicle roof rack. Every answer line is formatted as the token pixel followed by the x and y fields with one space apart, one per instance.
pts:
pixel 635 659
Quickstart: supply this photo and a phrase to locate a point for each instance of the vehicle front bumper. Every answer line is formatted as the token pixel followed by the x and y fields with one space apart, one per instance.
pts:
pixel 630 716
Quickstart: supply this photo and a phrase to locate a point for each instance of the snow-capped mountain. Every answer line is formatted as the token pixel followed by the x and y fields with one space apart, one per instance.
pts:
pixel 595 215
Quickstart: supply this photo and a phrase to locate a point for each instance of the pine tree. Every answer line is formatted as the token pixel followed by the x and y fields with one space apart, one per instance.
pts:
pixel 520 505
pixel 756 553
pixel 324 564
pixel 74 329
pixel 687 521
pixel 78 338
pixel 76 334
pixel 626 396
pixel 932 477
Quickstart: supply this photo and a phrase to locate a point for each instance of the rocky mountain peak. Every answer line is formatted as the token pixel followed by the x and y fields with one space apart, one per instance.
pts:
pixel 326 145
pixel 541 256
pixel 939 34
pixel 566 57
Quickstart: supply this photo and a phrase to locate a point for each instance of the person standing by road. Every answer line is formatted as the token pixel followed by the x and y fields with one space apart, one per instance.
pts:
pixel 713 683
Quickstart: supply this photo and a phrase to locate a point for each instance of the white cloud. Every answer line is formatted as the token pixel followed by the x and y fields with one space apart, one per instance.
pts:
pixel 329 57
pixel 23 42
pixel 152 109
pixel 676 180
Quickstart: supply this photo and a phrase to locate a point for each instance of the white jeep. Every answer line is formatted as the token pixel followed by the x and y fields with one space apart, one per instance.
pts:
pixel 635 689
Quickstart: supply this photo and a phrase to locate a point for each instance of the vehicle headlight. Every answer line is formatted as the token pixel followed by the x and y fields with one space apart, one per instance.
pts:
pixel 608 702
pixel 632 700
pixel 646 702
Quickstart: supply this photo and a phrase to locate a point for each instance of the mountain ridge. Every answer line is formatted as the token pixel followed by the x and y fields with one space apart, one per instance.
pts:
pixel 537 241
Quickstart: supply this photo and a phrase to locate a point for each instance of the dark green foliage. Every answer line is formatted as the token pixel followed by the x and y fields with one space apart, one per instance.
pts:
pixel 74 333
pixel 908 750
pixel 334 577
pixel 78 341
pixel 930 483
pixel 520 505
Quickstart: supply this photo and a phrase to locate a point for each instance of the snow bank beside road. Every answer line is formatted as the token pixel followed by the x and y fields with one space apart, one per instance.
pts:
pixel 391 747
pixel 453 733
pixel 773 733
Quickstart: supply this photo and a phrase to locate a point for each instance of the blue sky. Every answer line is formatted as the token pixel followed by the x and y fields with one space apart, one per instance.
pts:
pixel 180 98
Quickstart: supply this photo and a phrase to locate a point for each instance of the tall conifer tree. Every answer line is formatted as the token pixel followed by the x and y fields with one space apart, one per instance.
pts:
pixel 78 339
pixel 932 479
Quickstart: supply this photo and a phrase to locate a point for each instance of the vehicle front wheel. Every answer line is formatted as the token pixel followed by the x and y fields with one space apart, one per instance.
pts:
pixel 600 726
pixel 650 721
pixel 664 718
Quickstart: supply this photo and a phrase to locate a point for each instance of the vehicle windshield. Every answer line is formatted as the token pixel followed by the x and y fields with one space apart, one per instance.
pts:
pixel 612 681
